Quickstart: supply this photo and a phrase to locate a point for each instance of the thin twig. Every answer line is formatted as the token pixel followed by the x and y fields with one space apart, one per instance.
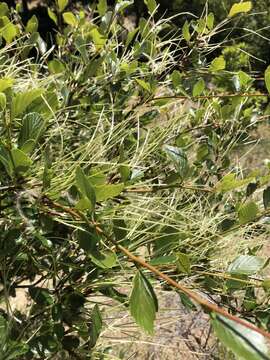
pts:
pixel 205 97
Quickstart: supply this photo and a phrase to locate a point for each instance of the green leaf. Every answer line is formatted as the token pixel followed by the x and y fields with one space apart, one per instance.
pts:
pixel 121 5
pixel 242 7
pixel 210 21
pixel 96 326
pixel 52 16
pixel 246 344
pixel 176 78
pixel 246 265
pixel 183 263
pixel 32 25
pixel 198 88
pixel 98 39
pixel 218 64
pixel 16 350
pixel 130 36
pixel 87 240
pixel 186 32
pixel 108 191
pixel 20 160
pixel 267 78
pixel 32 128
pixel 266 197
pixel 70 19
pixel 56 66
pixel 104 259
pixel 247 212
pixel 6 160
pixel 8 30
pixel 4 9
pixel 62 4
pixel 179 159
pixel 40 295
pixel 5 83
pixel 102 7
pixel 3 101
pixel 143 303
pixel 146 86
pixel 151 5
pixel 163 260
pixel 22 100
pixel 85 186
pixel 229 182
pixel 185 300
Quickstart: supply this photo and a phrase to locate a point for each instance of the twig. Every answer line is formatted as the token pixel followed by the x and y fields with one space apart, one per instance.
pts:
pixel 154 188
pixel 205 97
pixel 190 293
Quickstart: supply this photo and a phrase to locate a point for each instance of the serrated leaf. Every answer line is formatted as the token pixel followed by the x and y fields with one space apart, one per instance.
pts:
pixel 85 186
pixel 198 88
pixel 218 64
pixel 62 4
pixel 246 265
pixel 102 7
pixel 22 100
pixel 267 78
pixel 70 19
pixel 96 326
pixel 247 212
pixel 143 303
pixel 245 343
pixel 266 197
pixel 242 7
pixel 108 191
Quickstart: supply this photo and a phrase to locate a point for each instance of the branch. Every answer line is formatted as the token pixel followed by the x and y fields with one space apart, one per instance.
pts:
pixel 190 293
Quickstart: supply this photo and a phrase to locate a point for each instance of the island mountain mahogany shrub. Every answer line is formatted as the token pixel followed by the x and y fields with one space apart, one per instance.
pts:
pixel 108 151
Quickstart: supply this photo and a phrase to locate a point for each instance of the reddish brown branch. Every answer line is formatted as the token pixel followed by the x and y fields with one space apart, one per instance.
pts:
pixel 190 293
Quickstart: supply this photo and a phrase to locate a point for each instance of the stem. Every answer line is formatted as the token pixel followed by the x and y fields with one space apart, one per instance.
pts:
pixel 205 97
pixel 190 293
